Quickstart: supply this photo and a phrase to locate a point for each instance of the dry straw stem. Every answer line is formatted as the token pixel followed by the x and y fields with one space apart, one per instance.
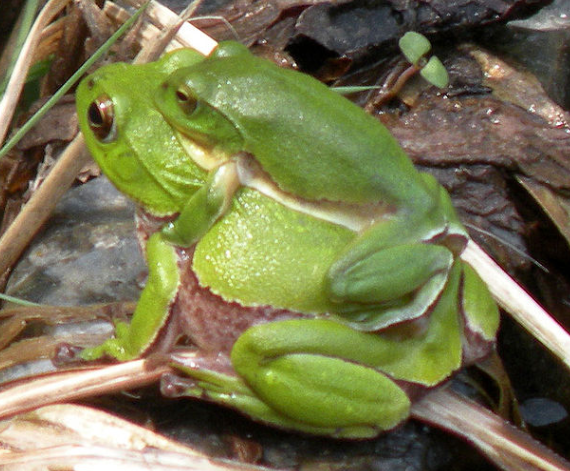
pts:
pixel 41 204
pixel 76 384
pixel 69 436
pixel 508 447
pixel 519 304
pixel 163 19
pixel 18 77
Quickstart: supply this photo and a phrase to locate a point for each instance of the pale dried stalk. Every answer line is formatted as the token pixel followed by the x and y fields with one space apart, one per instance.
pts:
pixel 517 302
pixel 89 457
pixel 67 436
pixel 16 83
pixel 68 386
pixel 505 445
pixel 40 206
pixel 161 19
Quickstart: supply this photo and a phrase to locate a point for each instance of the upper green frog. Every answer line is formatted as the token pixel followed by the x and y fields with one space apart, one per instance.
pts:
pixel 314 269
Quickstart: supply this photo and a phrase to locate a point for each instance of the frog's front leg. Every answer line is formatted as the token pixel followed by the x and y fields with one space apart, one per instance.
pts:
pixel 151 313
pixel 205 206
pixel 203 209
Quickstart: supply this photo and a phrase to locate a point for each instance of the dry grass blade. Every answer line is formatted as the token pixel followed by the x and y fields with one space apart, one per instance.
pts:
pixel 508 447
pixel 10 99
pixel 70 385
pixel 555 205
pixel 92 457
pixel 66 436
pixel 162 19
pixel 41 205
pixel 18 36
pixel 522 307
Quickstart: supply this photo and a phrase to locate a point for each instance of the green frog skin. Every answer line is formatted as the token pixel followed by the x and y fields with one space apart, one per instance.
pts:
pixel 289 237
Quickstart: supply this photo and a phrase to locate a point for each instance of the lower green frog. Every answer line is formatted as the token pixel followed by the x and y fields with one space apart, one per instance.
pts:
pixel 289 238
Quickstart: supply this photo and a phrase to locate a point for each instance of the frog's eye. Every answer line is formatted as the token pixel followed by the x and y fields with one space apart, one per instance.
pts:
pixel 186 100
pixel 101 119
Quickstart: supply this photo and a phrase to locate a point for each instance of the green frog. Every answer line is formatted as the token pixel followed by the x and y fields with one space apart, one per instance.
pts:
pixel 288 236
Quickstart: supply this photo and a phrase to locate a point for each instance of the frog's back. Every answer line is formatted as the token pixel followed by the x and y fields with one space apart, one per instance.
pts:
pixel 332 149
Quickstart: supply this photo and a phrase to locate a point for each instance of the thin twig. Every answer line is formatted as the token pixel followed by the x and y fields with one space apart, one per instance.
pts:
pixel 41 205
pixel 78 384
pixel 502 443
pixel 16 82
pixel 517 302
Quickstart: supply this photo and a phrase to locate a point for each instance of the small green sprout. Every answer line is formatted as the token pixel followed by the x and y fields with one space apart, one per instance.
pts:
pixel 415 47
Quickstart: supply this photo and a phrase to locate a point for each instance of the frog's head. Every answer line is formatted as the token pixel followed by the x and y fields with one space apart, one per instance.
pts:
pixel 203 129
pixel 130 140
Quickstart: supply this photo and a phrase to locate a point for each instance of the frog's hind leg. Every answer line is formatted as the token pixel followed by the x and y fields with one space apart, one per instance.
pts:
pixel 301 374
pixel 302 369
pixel 390 274
pixel 396 269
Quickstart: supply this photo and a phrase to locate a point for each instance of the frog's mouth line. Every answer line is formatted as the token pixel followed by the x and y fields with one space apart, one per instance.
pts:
pixel 354 217
pixel 204 157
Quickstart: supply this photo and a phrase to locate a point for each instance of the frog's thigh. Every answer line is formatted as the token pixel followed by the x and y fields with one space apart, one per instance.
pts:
pixel 388 274
pixel 301 381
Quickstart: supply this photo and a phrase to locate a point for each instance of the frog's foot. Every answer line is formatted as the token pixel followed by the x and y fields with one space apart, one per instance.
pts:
pixel 293 406
pixel 213 386
pixel 227 390
pixel 115 347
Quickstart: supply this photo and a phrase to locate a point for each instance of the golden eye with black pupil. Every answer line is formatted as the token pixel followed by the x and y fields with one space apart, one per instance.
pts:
pixel 101 119
pixel 186 100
